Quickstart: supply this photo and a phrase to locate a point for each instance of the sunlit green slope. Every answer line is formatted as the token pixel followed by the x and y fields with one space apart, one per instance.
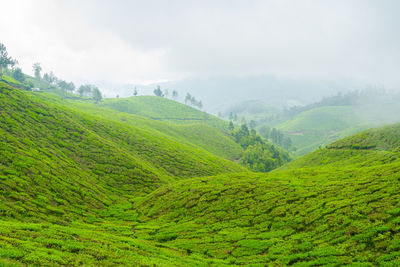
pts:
pixel 54 160
pixel 335 206
pixel 196 134
pixel 78 189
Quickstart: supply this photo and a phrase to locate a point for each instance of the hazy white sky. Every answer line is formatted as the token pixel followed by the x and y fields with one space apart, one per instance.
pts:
pixel 144 41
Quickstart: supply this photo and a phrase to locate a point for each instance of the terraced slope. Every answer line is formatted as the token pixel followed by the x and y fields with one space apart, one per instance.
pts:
pixel 59 163
pixel 196 134
pixel 163 109
pixel 77 244
pixel 80 190
pixel 385 138
pixel 321 126
pixel 335 206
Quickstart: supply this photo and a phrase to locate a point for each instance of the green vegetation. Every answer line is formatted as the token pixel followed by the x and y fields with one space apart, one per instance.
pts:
pixel 331 207
pixel 259 156
pixel 68 154
pixel 163 109
pixel 194 134
pixel 321 126
pixel 89 184
pixel 302 129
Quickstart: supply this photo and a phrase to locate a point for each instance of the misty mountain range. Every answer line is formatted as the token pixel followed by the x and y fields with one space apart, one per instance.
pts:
pixel 217 94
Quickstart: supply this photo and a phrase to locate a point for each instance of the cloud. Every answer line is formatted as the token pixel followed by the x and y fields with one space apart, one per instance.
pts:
pixel 133 41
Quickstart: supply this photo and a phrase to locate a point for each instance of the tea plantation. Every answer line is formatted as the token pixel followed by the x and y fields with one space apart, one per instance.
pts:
pixel 81 184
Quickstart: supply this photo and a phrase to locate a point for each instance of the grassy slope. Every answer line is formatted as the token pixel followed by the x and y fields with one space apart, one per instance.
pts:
pixel 252 110
pixel 321 126
pixel 77 244
pixel 57 159
pixel 334 206
pixel 160 108
pixel 63 170
pixel 195 134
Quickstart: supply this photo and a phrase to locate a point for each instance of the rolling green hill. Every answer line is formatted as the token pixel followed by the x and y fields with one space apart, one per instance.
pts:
pixel 107 188
pixel 194 134
pixel 52 155
pixel 163 109
pixel 305 128
pixel 335 206
pixel 321 126
pixel 255 110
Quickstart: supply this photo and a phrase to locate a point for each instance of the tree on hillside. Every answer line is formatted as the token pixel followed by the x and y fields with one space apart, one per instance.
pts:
pixel 46 78
pixel 66 87
pixel 5 60
pixel 191 101
pixel 70 87
pixel 28 84
pixel 96 94
pixel 50 78
pixel 231 127
pixel 135 92
pixel 188 98
pixel 265 131
pixel 175 95
pixel 37 70
pixel 85 90
pixel 63 85
pixel 252 124
pixel 158 91
pixel 18 75
pixel 286 142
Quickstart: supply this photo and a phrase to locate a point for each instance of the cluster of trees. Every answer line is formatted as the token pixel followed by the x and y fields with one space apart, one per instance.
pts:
pixel 348 99
pixel 258 155
pixel 68 87
pixel 18 75
pixel 165 93
pixel 276 136
pixel 87 90
pixel 233 117
pixel 189 99
pixel 5 60
pixel 192 101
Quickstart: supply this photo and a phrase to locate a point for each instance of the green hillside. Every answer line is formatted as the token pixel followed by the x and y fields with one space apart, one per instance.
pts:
pixel 384 138
pixel 331 207
pixel 163 109
pixel 321 126
pixel 107 188
pixel 251 110
pixel 53 155
pixel 196 134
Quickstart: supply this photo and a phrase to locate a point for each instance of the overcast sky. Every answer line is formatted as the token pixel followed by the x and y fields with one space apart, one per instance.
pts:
pixel 148 41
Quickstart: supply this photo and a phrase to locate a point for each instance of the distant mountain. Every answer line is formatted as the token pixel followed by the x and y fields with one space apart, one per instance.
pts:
pixel 219 93
pixel 322 122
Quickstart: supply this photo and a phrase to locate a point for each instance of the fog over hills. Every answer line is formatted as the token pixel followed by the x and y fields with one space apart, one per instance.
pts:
pixel 199 133
pixel 220 93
